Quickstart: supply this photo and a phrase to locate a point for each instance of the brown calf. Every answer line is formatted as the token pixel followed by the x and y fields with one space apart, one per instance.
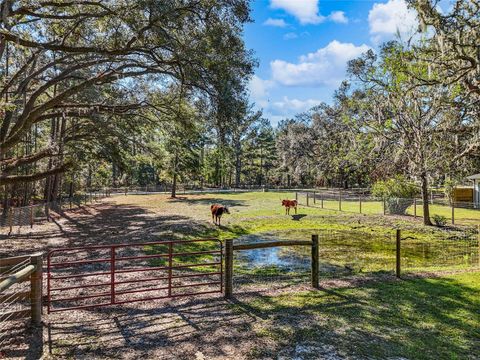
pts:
pixel 217 212
pixel 289 204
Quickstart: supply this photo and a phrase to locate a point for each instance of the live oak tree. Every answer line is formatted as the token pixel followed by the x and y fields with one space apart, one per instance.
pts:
pixel 404 112
pixel 453 56
pixel 455 50
pixel 64 63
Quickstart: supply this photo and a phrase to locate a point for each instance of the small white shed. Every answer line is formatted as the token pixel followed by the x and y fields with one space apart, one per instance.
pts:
pixel 476 189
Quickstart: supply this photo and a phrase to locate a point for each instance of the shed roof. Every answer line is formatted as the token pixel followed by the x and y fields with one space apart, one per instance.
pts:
pixel 474 177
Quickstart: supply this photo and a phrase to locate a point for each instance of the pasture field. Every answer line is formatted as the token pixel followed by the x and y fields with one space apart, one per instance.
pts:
pixel 360 311
pixel 363 242
pixel 254 212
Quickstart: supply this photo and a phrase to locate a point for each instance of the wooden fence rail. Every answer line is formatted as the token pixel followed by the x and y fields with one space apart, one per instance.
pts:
pixel 16 270
pixel 230 248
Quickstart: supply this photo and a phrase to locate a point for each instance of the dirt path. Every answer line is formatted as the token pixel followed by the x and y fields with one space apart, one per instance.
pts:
pixel 106 222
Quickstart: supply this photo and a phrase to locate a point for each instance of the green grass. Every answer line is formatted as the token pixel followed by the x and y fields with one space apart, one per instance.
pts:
pixel 413 319
pixel 254 212
pixel 262 213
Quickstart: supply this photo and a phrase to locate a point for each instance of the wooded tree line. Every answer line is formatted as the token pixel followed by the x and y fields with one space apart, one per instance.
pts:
pixel 129 92
pixel 116 91
pixel 412 109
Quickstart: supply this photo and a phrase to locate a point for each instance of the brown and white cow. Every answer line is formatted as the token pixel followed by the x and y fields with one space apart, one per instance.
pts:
pixel 217 212
pixel 289 204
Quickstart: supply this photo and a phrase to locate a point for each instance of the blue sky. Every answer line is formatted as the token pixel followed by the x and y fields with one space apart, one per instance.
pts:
pixel 303 47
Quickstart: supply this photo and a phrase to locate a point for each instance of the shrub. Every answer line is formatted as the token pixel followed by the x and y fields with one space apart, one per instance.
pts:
pixel 439 220
pixel 450 185
pixel 397 192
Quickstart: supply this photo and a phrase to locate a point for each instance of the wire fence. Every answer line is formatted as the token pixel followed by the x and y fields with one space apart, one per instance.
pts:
pixel 361 202
pixel 28 216
pixel 452 250
pixel 270 267
pixel 353 254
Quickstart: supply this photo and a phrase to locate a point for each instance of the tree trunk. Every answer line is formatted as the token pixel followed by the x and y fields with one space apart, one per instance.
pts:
pixel 174 185
pixel 238 164
pixel 426 207
pixel 57 180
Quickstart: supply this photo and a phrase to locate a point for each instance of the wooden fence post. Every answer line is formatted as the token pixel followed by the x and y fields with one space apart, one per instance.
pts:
pixel 31 216
pixel 321 200
pixel 415 208
pixel 307 198
pixel 10 219
pixel 314 201
pixel 296 195
pixel 384 207
pixel 315 262
pixel 360 201
pixel 453 212
pixel 398 253
pixel 478 241
pixel 228 268
pixel 340 201
pixel 36 288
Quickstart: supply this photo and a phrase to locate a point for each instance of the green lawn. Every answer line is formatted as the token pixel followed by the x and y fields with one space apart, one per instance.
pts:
pixel 414 319
pixel 257 211
pixel 368 246
pixel 469 217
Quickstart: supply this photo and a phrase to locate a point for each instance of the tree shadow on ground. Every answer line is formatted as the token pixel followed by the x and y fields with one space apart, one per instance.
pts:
pixel 24 341
pixel 421 319
pixel 175 329
pixel 208 201
pixel 129 224
pixel 105 223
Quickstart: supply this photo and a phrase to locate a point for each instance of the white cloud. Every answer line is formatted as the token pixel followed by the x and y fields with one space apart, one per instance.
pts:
pixel 280 109
pixel 326 66
pixel 259 89
pixel 286 108
pixel 289 106
pixel 275 22
pixel 306 11
pixel 386 20
pixel 338 17
pixel 290 36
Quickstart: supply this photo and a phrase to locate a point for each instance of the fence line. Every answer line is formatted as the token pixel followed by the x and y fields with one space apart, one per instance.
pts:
pixel 353 200
pixel 347 253
pixel 14 299
pixel 362 203
pixel 30 215
pixel 229 255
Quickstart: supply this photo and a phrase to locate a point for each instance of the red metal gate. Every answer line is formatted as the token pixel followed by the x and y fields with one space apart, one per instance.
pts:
pixel 93 276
